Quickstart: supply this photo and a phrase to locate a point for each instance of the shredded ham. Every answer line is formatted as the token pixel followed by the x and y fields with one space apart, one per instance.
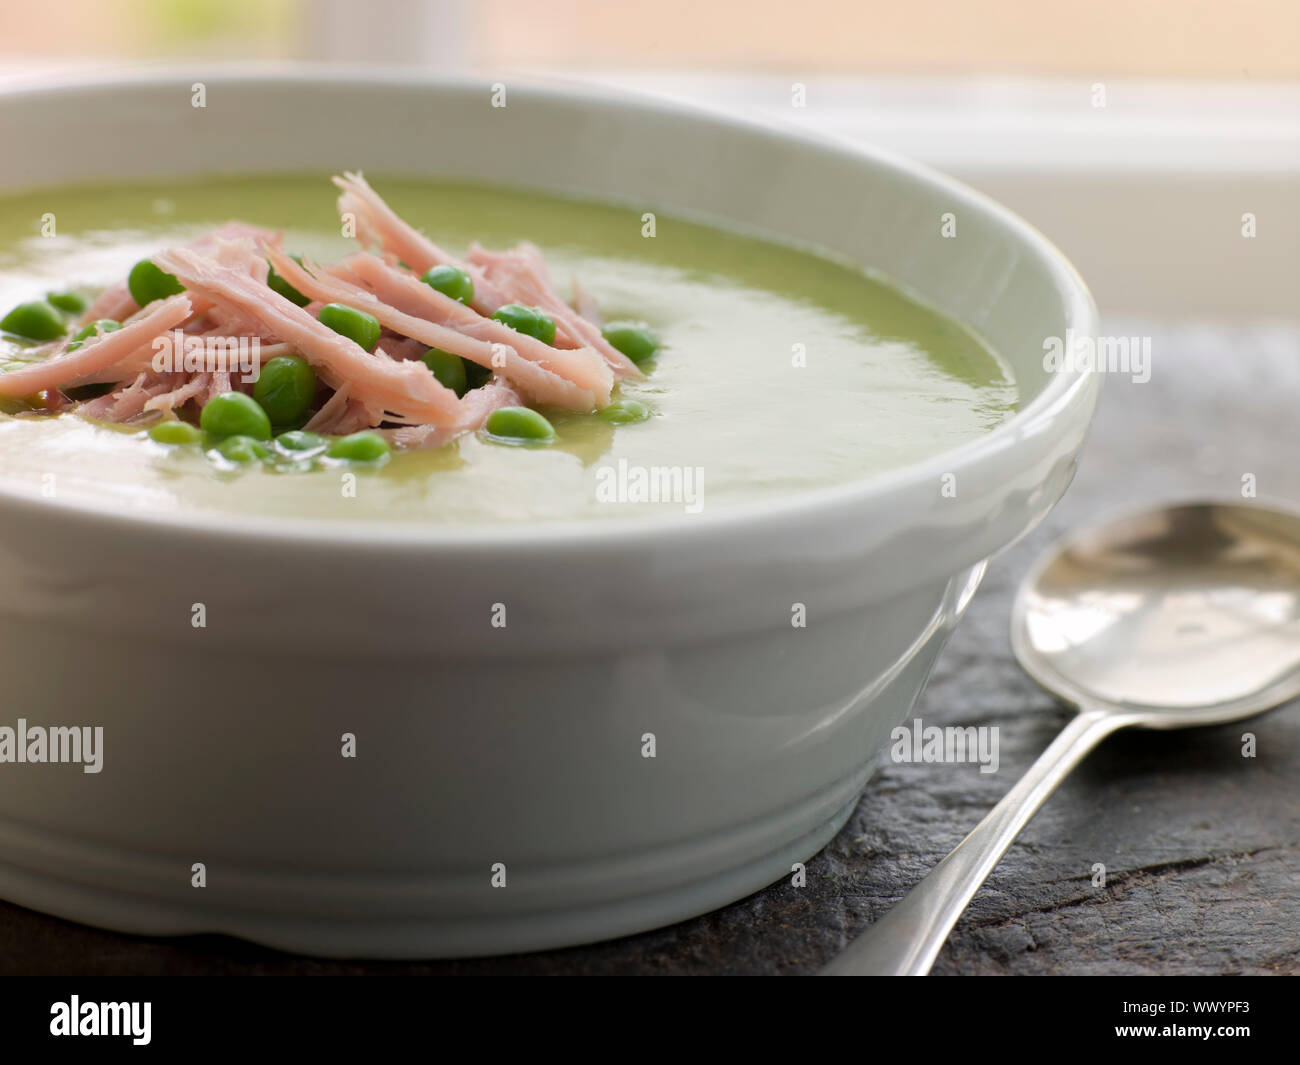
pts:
pixel 475 408
pixel 499 278
pixel 522 274
pixel 352 417
pixel 403 388
pixel 583 367
pixel 97 354
pixel 339 408
pixel 497 347
pixel 377 224
pixel 127 403
pixel 218 383
pixel 227 301
pixel 114 302
pixel 586 306
pixel 191 386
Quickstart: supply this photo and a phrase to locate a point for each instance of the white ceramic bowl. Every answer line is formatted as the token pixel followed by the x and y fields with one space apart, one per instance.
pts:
pixel 523 745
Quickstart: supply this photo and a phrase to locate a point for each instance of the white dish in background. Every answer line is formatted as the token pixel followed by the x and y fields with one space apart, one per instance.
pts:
pixel 520 745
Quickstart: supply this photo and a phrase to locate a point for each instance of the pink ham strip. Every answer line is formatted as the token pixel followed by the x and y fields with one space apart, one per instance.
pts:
pixel 521 274
pixel 231 245
pixel 237 253
pixel 475 407
pixel 138 362
pixel 273 351
pixel 331 409
pixel 583 366
pixel 351 417
pixel 217 384
pixel 196 386
pixel 95 355
pixel 233 323
pixel 540 383
pixel 379 225
pixel 586 306
pixel 126 403
pixel 233 231
pixel 524 272
pixel 406 389
pixel 114 302
pixel 141 361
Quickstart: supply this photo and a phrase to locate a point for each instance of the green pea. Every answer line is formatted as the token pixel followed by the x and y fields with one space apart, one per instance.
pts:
pixel 285 388
pixel 235 414
pixel 356 325
pixel 243 449
pixel 102 325
pixel 451 281
pixel 278 284
pixel 447 368
pixel 633 339
pixel 300 440
pixel 519 425
pixel 176 432
pixel 625 412
pixel 531 320
pixel 359 447
pixel 148 282
pixel 71 302
pixel 35 321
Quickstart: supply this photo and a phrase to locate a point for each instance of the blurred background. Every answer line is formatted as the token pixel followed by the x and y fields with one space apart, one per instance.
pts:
pixel 1158 38
pixel 1135 133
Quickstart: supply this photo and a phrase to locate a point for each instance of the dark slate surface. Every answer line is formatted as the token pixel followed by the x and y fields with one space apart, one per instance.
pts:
pixel 1202 846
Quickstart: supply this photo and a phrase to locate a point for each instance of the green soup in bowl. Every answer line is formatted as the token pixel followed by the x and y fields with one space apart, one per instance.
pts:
pixel 781 368
pixel 486 697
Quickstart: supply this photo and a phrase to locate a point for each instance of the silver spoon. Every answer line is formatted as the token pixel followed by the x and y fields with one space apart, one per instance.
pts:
pixel 1187 615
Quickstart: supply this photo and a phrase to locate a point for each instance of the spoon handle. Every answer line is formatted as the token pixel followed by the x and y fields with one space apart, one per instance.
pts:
pixel 908 938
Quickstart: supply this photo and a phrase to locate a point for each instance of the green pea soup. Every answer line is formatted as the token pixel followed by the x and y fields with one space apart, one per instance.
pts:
pixel 782 370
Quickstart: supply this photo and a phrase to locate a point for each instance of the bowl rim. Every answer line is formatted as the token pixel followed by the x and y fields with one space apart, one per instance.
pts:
pixel 1064 389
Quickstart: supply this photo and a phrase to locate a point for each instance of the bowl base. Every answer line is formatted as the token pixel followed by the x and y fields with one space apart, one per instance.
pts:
pixel 95 898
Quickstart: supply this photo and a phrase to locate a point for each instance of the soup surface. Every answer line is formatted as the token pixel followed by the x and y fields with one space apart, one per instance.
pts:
pixel 782 370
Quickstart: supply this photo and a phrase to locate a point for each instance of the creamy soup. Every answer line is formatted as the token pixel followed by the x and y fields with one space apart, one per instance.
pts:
pixel 781 369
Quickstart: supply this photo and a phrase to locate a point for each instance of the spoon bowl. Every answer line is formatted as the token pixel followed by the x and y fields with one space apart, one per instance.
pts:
pixel 1187 615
